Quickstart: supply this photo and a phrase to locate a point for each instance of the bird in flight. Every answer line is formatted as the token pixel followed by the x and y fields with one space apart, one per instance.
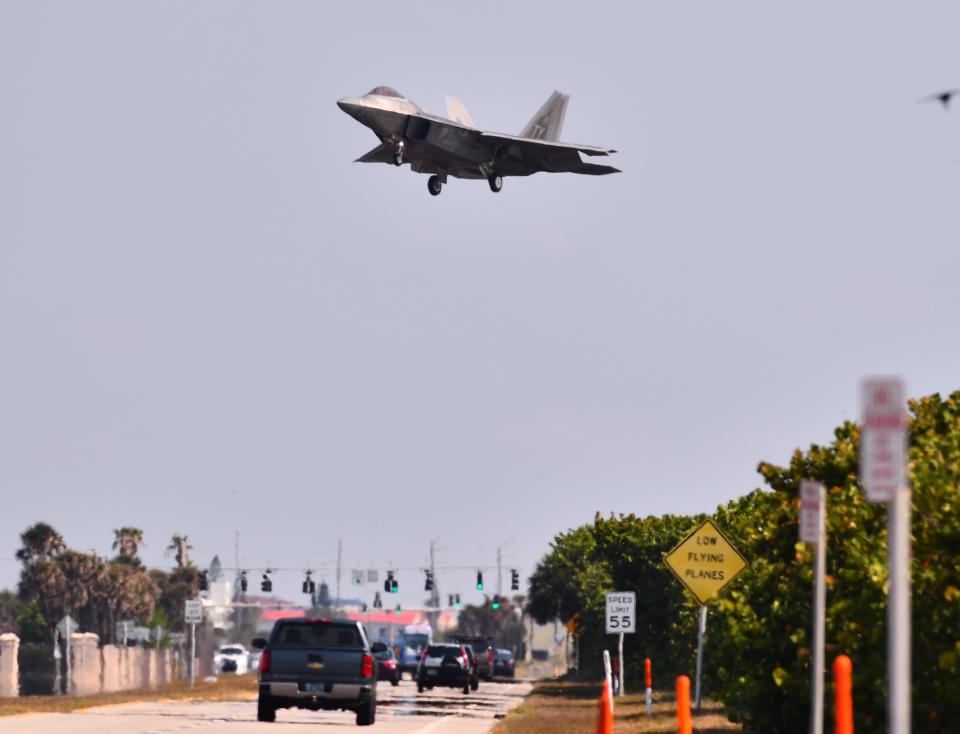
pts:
pixel 942 97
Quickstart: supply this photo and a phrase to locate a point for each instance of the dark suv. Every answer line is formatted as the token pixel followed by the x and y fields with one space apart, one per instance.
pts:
pixel 444 665
pixel 318 664
pixel 483 647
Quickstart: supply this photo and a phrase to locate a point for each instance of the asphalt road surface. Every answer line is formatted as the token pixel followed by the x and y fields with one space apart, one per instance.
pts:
pixel 400 710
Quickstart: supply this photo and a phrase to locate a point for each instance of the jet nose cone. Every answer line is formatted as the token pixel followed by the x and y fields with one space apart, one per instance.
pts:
pixel 350 105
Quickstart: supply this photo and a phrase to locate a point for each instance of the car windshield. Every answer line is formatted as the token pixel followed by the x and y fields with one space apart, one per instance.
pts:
pixel 439 651
pixel 231 651
pixel 416 642
pixel 315 634
pixel 479 645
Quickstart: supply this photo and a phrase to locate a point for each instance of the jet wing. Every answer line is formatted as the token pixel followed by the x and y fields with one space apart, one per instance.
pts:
pixel 522 156
pixel 542 145
pixel 381 154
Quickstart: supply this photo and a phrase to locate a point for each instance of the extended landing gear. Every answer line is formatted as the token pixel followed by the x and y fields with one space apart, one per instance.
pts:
pixel 496 182
pixel 398 156
pixel 434 185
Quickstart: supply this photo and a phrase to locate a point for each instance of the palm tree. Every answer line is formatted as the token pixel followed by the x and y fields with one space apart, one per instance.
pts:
pixel 40 541
pixel 127 541
pixel 181 546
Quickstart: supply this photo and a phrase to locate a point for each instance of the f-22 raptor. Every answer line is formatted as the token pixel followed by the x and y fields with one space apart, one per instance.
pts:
pixel 455 146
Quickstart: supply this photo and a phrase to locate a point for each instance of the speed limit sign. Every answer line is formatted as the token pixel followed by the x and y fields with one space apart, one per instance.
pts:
pixel 621 612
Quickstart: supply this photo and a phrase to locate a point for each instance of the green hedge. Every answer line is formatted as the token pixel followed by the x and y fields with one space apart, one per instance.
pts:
pixel 758 637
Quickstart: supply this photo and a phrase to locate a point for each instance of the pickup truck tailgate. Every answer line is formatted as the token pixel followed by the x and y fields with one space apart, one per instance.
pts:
pixel 316 663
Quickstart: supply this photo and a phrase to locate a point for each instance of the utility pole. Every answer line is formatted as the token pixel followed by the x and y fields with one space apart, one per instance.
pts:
pixel 339 564
pixel 434 616
pixel 499 570
pixel 435 592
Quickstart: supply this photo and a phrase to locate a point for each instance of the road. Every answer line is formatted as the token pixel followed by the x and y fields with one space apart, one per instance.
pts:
pixel 400 710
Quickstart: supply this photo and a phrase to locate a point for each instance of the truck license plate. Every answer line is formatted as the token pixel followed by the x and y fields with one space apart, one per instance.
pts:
pixel 318 688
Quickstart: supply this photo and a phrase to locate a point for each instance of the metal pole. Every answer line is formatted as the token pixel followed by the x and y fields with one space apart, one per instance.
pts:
pixel 701 631
pixel 193 653
pixel 898 612
pixel 339 561
pixel 819 617
pixel 69 672
pixel 620 655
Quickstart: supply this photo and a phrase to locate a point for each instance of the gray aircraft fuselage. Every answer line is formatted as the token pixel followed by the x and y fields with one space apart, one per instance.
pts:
pixel 454 146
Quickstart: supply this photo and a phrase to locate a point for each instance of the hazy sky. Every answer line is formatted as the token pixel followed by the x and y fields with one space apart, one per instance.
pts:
pixel 211 320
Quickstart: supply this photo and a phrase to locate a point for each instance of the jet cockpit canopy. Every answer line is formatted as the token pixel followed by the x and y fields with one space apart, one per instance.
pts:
pixel 386 92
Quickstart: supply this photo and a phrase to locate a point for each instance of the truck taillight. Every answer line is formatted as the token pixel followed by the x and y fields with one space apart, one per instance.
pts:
pixel 366 667
pixel 265 662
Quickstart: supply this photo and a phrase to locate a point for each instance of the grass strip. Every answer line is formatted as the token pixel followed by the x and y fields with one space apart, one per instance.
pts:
pixel 226 688
pixel 561 706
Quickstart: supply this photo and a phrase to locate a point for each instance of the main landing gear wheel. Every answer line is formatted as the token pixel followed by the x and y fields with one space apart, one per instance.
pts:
pixel 434 184
pixel 496 183
pixel 398 158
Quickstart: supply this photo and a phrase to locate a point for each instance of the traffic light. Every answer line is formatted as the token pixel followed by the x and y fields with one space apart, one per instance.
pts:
pixel 309 586
pixel 243 581
pixel 202 584
pixel 428 580
pixel 479 580
pixel 496 601
pixel 514 580
pixel 266 585
pixel 449 600
pixel 390 585
pixel 397 610
pixel 456 600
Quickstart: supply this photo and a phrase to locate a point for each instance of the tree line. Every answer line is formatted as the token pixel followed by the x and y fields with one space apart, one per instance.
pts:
pixel 97 592
pixel 757 654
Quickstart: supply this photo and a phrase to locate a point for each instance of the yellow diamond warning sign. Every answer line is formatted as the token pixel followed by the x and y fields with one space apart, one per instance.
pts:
pixel 705 562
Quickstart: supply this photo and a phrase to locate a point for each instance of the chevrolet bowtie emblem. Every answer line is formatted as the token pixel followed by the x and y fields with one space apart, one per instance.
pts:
pixel 315 666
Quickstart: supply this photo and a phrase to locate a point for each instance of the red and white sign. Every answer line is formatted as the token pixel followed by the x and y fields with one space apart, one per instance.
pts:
pixel 883 438
pixel 811 505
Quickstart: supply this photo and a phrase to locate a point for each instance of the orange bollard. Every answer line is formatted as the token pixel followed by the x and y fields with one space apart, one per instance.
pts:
pixel 605 715
pixel 648 694
pixel 843 695
pixel 684 722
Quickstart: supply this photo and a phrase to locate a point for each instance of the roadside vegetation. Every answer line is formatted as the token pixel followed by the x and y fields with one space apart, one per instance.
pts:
pixel 226 688
pixel 566 705
pixel 757 655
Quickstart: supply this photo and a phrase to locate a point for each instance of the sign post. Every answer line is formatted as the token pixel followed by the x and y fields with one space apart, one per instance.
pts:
pixel 193 615
pixel 813 531
pixel 883 458
pixel 701 633
pixel 621 618
pixel 705 562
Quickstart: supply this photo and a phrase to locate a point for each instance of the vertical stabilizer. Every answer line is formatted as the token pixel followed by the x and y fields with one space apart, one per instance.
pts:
pixel 458 113
pixel 548 122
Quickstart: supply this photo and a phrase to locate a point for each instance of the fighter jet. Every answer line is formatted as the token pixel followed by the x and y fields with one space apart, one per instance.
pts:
pixel 455 146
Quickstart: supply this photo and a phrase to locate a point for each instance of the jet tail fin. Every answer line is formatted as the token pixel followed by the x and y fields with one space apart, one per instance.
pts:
pixel 458 113
pixel 548 122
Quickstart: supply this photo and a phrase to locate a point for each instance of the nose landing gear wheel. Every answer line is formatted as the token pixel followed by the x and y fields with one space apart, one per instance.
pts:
pixel 496 183
pixel 434 185
pixel 398 158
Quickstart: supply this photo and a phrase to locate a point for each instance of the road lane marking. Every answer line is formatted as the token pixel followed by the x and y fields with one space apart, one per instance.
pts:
pixel 434 724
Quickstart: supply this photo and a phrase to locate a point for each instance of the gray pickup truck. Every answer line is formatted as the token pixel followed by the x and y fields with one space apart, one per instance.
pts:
pixel 318 664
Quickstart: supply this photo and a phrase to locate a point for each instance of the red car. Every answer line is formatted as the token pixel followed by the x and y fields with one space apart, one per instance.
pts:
pixel 387 666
